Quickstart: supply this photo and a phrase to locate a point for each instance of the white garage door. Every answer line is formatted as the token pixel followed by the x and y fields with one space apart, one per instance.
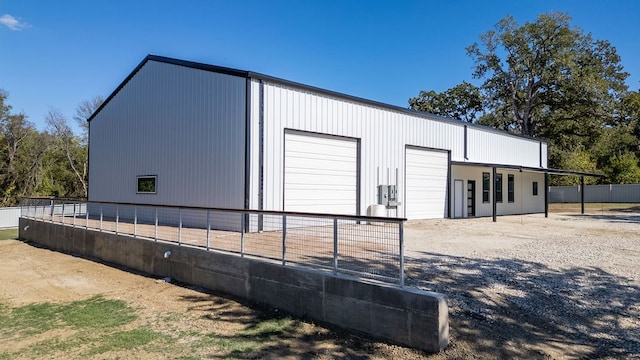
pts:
pixel 321 174
pixel 426 184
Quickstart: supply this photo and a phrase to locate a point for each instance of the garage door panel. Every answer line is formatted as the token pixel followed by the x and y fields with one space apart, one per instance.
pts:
pixel 320 174
pixel 426 183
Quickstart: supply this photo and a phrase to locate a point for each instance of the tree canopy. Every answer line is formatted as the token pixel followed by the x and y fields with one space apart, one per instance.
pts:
pixel 42 163
pixel 549 79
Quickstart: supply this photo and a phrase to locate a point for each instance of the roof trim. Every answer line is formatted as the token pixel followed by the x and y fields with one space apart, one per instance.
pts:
pixel 273 79
pixel 117 90
pixel 529 169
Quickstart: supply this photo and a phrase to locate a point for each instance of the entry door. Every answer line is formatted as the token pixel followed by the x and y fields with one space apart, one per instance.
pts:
pixel 471 198
pixel 458 198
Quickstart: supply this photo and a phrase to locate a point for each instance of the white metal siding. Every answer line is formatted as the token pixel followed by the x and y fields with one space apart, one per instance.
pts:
pixel 320 174
pixel 184 125
pixel 426 181
pixel 490 147
pixel 383 135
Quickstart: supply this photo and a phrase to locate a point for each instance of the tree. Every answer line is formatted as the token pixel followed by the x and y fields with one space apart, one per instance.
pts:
pixel 623 169
pixel 73 152
pixel 629 112
pixel 21 151
pixel 463 102
pixel 84 110
pixel 548 76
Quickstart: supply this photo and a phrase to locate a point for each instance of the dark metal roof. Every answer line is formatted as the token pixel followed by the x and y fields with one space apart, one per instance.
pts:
pixel 268 78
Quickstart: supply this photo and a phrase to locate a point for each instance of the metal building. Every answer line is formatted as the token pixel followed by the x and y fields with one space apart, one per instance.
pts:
pixel 189 134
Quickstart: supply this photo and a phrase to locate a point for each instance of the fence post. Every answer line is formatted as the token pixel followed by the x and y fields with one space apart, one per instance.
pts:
pixel 284 239
pixel 86 216
pixel 242 236
pixel 101 214
pixel 74 215
pixel 135 220
pixel 335 245
pixel 52 210
pixel 117 218
pixel 180 226
pixel 155 236
pixel 208 228
pixel 401 235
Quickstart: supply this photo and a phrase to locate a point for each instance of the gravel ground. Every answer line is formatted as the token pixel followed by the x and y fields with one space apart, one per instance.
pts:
pixel 529 287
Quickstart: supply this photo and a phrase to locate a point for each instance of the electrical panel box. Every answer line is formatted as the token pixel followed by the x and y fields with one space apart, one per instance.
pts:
pixel 383 195
pixel 388 195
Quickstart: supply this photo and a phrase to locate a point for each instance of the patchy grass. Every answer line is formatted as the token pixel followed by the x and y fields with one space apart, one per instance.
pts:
pixel 101 327
pixel 97 312
pixel 94 313
pixel 127 340
pixel 8 234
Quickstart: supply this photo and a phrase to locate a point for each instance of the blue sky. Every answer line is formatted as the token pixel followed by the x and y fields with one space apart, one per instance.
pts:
pixel 58 53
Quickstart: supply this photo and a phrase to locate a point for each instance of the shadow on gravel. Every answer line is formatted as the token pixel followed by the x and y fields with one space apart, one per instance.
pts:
pixel 580 312
pixel 614 218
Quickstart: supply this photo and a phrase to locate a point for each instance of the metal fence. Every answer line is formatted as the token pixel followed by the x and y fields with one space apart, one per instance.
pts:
pixel 368 247
pixel 613 193
pixel 9 217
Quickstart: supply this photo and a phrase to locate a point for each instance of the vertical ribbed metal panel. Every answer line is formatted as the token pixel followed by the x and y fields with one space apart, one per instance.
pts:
pixel 384 133
pixel 254 174
pixel 614 193
pixel 493 148
pixel 184 125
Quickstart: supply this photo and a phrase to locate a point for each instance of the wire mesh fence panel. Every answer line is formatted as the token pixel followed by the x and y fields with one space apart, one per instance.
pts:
pixel 338 243
pixel 371 249
pixel 264 238
pixel 168 223
pixel 224 231
pixel 309 241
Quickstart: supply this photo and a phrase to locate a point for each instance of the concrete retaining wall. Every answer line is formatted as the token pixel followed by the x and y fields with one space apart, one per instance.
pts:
pixel 404 316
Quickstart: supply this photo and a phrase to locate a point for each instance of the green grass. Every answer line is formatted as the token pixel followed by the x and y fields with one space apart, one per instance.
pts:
pixel 95 313
pixel 126 340
pixel 107 327
pixel 7 234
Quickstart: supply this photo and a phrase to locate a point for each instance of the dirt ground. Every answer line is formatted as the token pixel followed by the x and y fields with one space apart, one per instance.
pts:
pixel 524 287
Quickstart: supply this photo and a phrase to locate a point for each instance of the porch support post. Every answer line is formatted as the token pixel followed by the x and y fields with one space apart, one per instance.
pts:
pixel 582 194
pixel 495 204
pixel 546 195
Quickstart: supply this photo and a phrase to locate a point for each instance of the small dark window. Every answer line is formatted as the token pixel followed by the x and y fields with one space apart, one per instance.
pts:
pixel 146 184
pixel 535 188
pixel 486 182
pixel 499 188
pixel 510 188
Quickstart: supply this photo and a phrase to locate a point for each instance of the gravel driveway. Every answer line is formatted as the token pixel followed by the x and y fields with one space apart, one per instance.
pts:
pixel 563 287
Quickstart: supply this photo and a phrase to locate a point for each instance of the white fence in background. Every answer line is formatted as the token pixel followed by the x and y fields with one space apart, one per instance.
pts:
pixel 627 193
pixel 9 217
